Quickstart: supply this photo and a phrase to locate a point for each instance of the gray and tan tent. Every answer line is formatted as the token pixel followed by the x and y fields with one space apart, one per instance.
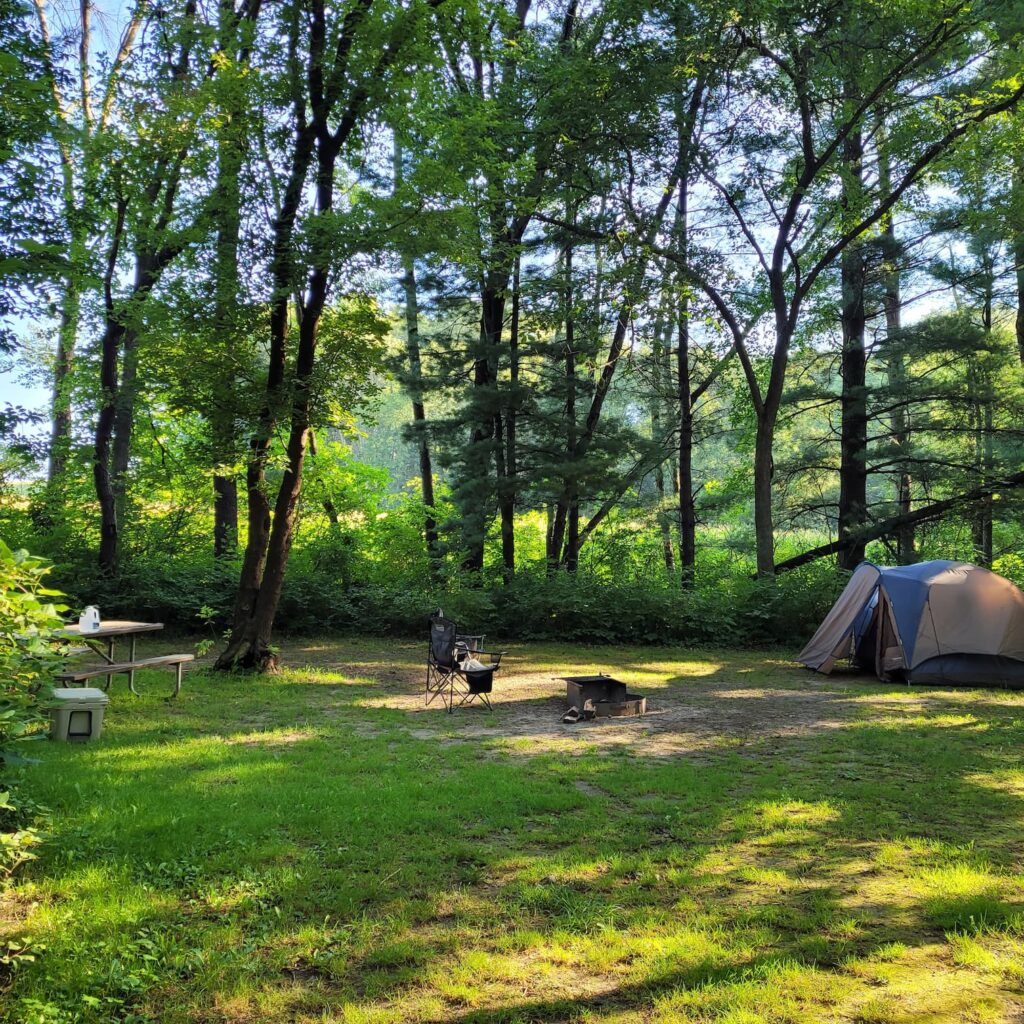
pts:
pixel 933 623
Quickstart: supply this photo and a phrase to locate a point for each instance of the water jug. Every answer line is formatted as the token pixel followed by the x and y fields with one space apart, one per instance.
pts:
pixel 89 620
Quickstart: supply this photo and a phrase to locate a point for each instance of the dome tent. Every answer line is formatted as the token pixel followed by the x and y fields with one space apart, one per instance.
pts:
pixel 933 622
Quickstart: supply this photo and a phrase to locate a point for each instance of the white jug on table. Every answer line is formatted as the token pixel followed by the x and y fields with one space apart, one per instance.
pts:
pixel 89 620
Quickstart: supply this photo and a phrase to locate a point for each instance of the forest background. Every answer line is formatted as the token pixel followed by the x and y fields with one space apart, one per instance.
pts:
pixel 617 321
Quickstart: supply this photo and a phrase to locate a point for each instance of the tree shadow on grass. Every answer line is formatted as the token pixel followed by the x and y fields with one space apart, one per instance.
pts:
pixel 418 853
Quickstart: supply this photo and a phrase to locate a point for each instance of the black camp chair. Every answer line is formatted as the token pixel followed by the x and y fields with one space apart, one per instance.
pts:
pixel 448 655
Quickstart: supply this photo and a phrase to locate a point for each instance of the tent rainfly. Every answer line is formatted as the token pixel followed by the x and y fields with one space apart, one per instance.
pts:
pixel 934 623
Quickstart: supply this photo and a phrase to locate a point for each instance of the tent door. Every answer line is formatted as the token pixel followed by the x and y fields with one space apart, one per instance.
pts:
pixel 889 657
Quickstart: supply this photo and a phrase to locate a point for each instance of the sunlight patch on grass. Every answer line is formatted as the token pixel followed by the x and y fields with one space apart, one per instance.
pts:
pixel 281 852
pixel 790 816
pixel 961 896
pixel 272 737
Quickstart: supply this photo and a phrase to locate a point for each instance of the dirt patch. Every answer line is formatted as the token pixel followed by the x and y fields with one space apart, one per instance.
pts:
pixel 271 739
pixel 681 719
pixel 696 704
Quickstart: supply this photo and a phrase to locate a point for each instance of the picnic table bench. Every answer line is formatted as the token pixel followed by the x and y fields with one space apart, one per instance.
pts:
pixel 102 642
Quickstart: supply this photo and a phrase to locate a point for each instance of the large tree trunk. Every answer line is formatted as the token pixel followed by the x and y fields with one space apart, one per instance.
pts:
pixel 570 495
pixel 473 494
pixel 764 472
pixel 249 646
pixel 117 416
pixel 895 362
pixel 110 347
pixel 766 408
pixel 899 420
pixel 981 522
pixel 853 401
pixel 227 289
pixel 236 32
pixel 684 399
pixel 281 273
pixel 61 418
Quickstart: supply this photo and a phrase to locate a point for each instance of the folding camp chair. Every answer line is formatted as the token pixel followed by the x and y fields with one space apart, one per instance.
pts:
pixel 455 669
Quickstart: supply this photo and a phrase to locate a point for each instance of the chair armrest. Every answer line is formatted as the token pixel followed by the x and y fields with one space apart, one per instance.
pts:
pixel 492 657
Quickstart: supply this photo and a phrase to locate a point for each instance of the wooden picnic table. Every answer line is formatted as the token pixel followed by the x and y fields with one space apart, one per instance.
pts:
pixel 106 637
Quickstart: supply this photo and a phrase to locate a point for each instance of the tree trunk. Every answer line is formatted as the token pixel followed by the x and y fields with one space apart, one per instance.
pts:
pixel 895 361
pixel 105 491
pixel 249 646
pixel 764 472
pixel 419 415
pixel 662 331
pixel 257 537
pixel 1018 249
pixel 124 419
pixel 983 517
pixel 572 537
pixel 415 378
pixel 258 502
pixel 853 401
pixel 473 492
pixel 122 396
pixel 509 468
pixel 227 289
pixel 570 496
pixel 982 390
pixel 684 399
pixel 67 336
pixel 225 516
pixel 110 346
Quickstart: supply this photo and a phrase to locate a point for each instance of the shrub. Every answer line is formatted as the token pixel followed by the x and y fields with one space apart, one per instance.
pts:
pixel 30 654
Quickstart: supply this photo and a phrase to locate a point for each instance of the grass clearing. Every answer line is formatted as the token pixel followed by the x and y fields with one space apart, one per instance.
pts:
pixel 767 845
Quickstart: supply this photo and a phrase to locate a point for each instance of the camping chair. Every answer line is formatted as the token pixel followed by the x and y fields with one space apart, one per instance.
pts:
pixel 455 670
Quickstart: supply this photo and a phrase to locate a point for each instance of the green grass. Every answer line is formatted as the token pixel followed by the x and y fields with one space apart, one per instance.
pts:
pixel 307 848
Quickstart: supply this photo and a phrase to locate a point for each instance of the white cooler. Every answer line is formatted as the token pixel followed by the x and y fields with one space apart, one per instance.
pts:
pixel 76 714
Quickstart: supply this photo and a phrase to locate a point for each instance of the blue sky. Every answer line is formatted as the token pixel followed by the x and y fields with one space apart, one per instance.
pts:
pixel 13 391
pixel 108 20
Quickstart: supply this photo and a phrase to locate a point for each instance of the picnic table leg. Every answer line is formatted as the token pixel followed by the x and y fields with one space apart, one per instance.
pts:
pixel 177 680
pixel 131 672
pixel 110 660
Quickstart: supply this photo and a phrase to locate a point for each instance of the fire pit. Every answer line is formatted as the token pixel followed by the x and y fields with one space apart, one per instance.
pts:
pixel 601 696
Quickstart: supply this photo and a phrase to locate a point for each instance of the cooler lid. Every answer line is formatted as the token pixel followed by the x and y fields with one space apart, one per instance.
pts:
pixel 80 695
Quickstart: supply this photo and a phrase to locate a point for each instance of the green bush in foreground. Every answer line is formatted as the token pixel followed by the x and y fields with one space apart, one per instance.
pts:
pixel 29 656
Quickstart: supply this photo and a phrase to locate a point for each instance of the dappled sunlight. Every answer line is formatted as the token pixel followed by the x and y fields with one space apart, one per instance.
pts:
pixel 272 738
pixel 1006 781
pixel 690 711
pixel 745 852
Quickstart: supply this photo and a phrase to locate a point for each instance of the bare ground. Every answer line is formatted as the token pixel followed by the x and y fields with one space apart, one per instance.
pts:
pixel 697 702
